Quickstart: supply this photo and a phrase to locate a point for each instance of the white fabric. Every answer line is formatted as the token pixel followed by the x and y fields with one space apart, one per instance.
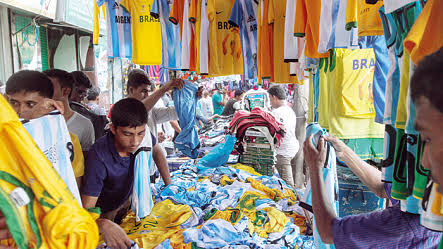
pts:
pixel 391 5
pixel 290 42
pixel 344 38
pixel 204 39
pixel 325 26
pixel 83 129
pixel 96 109
pixel 186 37
pixel 51 135
pixel 206 105
pixel 388 92
pixel 289 145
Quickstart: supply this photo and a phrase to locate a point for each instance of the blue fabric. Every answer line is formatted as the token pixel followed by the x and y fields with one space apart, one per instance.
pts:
pixel 185 102
pixel 382 63
pixel 219 155
pixel 108 176
pixel 390 228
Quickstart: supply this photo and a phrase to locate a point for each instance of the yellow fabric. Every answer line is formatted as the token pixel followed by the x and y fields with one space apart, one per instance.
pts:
pixel 225 180
pixel 273 194
pixel 365 17
pixel 146 33
pixel 78 165
pixel 276 17
pixel 341 126
pixel 52 218
pixel 426 36
pixel 307 24
pixel 276 222
pixel 195 17
pixel 298 220
pixel 246 168
pixel 437 204
pixel 96 22
pixel 232 215
pixel 164 221
pixel 265 66
pixel 402 114
pixel 225 46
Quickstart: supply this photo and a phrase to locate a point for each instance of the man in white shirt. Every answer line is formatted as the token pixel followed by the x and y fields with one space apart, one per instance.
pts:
pixel 289 146
pixel 81 126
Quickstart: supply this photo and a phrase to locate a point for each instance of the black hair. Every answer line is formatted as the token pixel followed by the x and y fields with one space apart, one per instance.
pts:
pixel 129 112
pixel 30 81
pixel 427 80
pixel 136 78
pixel 81 79
pixel 238 92
pixel 64 78
pixel 278 92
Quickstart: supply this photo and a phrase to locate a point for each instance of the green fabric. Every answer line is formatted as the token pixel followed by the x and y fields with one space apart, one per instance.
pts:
pixel 399 181
pixel 216 99
pixel 44 48
pixel 440 246
pixel 366 148
pixel 421 174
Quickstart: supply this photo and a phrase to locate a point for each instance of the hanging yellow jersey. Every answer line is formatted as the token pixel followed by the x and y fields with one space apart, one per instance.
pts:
pixel 39 209
pixel 195 18
pixel 265 66
pixel 365 17
pixel 146 33
pixel 276 17
pixel 96 22
pixel 426 35
pixel 78 165
pixel 402 114
pixel 307 24
pixel 225 46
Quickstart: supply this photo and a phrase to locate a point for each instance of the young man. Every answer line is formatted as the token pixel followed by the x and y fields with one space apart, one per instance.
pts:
pixel 289 145
pixel 63 83
pixel 30 93
pixel 82 84
pixel 217 102
pixel 390 228
pixel 109 175
pixel 233 104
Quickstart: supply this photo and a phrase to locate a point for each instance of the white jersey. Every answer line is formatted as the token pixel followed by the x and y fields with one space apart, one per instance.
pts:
pixel 204 39
pixel 391 5
pixel 325 27
pixel 290 42
pixel 186 37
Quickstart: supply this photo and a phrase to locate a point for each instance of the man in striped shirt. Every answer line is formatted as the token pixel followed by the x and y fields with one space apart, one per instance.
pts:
pixel 390 228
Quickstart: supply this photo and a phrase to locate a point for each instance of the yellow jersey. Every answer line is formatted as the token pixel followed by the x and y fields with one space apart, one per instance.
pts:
pixel 264 42
pixel 402 113
pixel 426 36
pixel 276 17
pixel 365 17
pixel 225 46
pixel 78 165
pixel 307 24
pixel 146 33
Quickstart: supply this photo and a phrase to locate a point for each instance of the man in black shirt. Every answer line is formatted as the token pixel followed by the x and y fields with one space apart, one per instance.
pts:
pixel 231 105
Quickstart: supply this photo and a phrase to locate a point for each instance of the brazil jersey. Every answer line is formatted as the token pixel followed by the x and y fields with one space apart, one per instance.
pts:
pixel 146 33
pixel 118 22
pixel 364 16
pixel 225 45
pixel 170 34
pixel 243 15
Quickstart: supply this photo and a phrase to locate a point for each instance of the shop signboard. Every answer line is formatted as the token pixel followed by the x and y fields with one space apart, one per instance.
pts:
pixel 46 8
pixel 78 13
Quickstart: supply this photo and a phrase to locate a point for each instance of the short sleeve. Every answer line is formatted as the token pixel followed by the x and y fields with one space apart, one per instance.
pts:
pixel 126 4
pixel 88 136
pixel 271 12
pixel 100 2
pixel 174 14
pixel 193 11
pixel 236 14
pixel 95 174
pixel 78 165
pixel 155 9
pixel 211 10
pixel 351 15
pixel 154 139
pixel 300 20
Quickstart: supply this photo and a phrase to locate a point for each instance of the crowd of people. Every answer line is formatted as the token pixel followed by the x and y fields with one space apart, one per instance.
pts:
pixel 102 163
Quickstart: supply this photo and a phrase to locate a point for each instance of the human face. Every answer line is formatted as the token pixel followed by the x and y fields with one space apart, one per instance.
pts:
pixel 429 122
pixel 140 92
pixel 127 139
pixel 60 94
pixel 273 101
pixel 79 93
pixel 24 101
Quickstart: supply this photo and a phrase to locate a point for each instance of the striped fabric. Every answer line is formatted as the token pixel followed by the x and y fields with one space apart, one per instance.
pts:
pixel 51 135
pixel 141 196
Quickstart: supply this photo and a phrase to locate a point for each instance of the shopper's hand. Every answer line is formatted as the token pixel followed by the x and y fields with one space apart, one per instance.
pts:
pixel 161 137
pixel 315 158
pixel 4 231
pixel 338 145
pixel 176 83
pixel 113 235
pixel 43 108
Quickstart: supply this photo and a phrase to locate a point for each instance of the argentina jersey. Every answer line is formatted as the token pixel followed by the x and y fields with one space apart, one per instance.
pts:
pixel 118 26
pixel 243 15
pixel 170 34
